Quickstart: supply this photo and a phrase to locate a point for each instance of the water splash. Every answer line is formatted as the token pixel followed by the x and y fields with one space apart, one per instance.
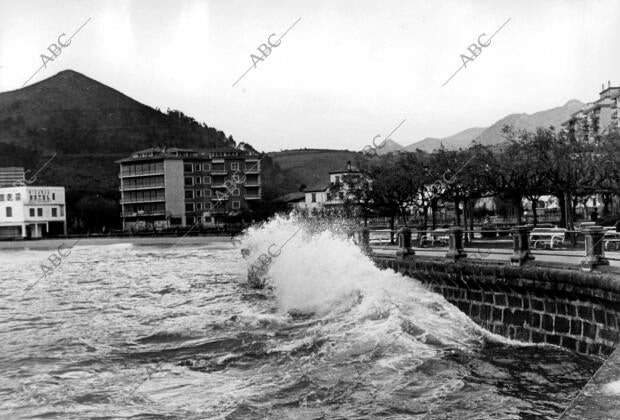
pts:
pixel 322 272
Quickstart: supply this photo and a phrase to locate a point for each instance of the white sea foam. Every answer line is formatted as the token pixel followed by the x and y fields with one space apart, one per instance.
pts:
pixel 325 274
pixel 612 388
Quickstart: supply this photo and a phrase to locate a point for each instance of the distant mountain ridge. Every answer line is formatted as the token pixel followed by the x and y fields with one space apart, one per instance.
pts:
pixel 493 134
pixel 551 117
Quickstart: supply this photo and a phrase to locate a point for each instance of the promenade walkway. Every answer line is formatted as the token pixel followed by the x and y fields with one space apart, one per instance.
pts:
pixel 568 257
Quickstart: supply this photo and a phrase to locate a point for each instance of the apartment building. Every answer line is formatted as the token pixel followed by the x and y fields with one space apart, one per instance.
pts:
pixel 32 212
pixel 11 176
pixel 165 187
pixel 597 117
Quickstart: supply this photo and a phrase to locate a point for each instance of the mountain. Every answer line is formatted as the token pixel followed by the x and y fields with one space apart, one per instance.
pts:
pixel 72 113
pixel 551 117
pixel 428 145
pixel 389 147
pixel 463 138
pixel 460 139
pixel 493 134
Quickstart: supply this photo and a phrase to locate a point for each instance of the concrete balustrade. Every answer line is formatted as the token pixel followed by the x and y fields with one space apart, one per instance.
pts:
pixel 521 246
pixel 594 245
pixel 595 251
pixel 455 244
pixel 404 243
pixel 362 236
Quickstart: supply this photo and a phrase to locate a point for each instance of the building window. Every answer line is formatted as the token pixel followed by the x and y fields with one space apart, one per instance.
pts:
pixel 207 180
pixel 207 193
pixel 197 168
pixel 207 206
pixel 337 179
pixel 9 197
pixel 187 167
pixel 62 212
pixel 189 180
pixel 9 212
pixel 198 193
pixel 18 197
pixel 189 194
pixel 198 206
pixel 1 197
pixel 254 167
pixel 206 167
pixel 189 206
pixel 236 204
pixel 198 180
pixel 39 212
pixel 31 212
pixel 236 192
pixel 54 212
pixel 314 197
pixel 234 166
pixel 53 196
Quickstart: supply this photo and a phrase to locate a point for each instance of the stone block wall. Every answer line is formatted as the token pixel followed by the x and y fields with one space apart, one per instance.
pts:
pixel 568 308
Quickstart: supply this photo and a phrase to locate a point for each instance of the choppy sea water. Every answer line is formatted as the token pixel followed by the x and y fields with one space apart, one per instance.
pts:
pixel 175 332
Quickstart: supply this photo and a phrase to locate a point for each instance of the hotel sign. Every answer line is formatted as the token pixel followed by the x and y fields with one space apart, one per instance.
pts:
pixel 39 196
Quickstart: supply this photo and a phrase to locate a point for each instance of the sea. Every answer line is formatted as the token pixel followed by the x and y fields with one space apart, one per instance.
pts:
pixel 176 331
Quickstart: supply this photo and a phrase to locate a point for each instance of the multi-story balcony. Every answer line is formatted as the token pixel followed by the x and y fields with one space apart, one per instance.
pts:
pixel 219 171
pixel 252 196
pixel 252 183
pixel 141 187
pixel 140 200
pixel 143 213
pixel 138 174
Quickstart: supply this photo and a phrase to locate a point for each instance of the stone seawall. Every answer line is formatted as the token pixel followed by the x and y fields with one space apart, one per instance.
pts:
pixel 569 308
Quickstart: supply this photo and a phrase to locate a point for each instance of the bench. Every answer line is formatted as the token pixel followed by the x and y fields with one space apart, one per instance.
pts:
pixel 437 237
pixel 611 239
pixel 546 238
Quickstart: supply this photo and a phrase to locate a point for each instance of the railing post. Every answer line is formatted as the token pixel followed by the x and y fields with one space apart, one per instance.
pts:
pixel 404 243
pixel 363 240
pixel 595 251
pixel 521 245
pixel 455 250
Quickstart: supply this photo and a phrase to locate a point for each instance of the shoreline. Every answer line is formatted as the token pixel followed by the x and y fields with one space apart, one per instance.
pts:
pixel 52 243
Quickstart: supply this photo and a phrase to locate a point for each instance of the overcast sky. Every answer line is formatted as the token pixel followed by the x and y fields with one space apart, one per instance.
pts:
pixel 348 70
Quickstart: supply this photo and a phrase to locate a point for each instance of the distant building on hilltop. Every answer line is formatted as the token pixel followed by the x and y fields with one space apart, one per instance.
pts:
pixel 591 121
pixel 342 183
pixel 10 176
pixel 167 187
pixel 335 192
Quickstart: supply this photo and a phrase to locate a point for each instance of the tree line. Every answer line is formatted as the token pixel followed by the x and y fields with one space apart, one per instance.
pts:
pixel 526 166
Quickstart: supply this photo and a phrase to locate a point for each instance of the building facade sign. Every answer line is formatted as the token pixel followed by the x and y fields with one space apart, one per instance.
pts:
pixel 40 196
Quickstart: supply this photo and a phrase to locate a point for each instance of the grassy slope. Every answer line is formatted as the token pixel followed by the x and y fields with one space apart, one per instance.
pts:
pixel 309 166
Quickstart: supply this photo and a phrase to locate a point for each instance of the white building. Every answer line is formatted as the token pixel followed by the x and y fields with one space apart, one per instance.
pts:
pixel 32 211
pixel 333 193
pixel 316 196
